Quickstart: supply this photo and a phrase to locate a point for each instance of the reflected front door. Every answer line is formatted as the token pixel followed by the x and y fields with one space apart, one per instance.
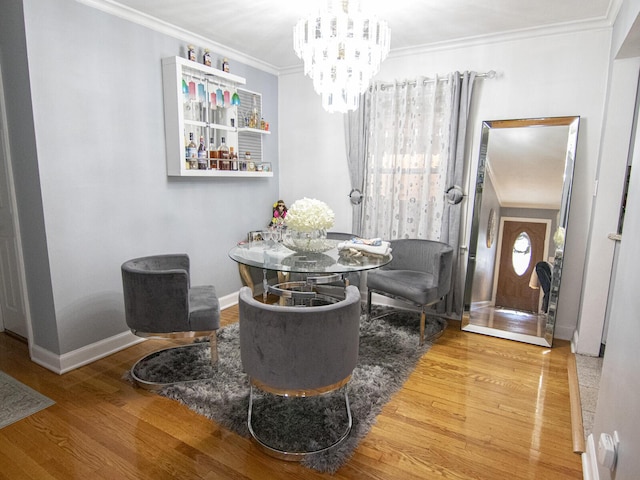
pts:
pixel 522 247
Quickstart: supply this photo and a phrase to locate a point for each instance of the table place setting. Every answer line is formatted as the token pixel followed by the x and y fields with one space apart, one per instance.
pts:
pixel 359 247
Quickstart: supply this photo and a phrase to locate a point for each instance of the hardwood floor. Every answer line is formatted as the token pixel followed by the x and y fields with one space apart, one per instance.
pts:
pixel 476 407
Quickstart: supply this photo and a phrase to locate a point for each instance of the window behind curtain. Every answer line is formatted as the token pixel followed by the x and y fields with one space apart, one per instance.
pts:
pixel 407 159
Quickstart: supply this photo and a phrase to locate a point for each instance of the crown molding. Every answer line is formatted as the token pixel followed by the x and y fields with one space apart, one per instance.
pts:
pixel 114 8
pixel 510 36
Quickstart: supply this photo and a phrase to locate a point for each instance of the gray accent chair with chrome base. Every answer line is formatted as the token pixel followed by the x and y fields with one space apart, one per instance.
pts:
pixel 292 351
pixel 420 273
pixel 160 302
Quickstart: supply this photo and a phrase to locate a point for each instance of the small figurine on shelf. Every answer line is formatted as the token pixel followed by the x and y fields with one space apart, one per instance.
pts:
pixel 279 213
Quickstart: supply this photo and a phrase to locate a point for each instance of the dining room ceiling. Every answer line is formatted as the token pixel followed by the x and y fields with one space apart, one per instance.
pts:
pixel 263 29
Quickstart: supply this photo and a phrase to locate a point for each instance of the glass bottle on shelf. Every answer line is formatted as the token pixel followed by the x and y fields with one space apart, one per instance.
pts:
pixel 192 149
pixel 206 58
pixel 254 119
pixel 192 153
pixel 203 163
pixel 213 155
pixel 223 155
pixel 225 65
pixel 233 159
pixel 186 152
pixel 212 148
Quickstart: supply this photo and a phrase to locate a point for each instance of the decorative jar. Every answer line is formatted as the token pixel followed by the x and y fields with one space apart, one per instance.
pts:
pixel 314 241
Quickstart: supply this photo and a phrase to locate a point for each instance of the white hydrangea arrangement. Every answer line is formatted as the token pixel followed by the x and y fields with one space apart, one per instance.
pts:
pixel 309 214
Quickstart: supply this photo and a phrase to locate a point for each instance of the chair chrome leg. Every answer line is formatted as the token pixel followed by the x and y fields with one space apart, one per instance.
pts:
pixel 369 292
pixel 297 456
pixel 151 385
pixel 423 318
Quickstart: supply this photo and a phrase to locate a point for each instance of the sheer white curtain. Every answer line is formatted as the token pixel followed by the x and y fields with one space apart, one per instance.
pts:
pixel 407 158
pixel 414 156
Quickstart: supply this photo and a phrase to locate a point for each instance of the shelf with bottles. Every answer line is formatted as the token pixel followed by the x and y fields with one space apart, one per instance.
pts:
pixel 227 173
pixel 200 104
pixel 219 159
pixel 254 130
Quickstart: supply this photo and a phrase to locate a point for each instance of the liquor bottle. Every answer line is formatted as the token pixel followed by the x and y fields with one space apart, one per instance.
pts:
pixel 191 53
pixel 192 149
pixel 213 155
pixel 225 65
pixel 186 151
pixel 203 163
pixel 254 119
pixel 212 148
pixel 223 149
pixel 233 158
pixel 202 151
pixel 206 58
pixel 223 156
pixel 192 154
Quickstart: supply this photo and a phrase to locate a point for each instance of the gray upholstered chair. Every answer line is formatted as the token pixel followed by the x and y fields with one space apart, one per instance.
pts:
pixel 298 352
pixel 159 301
pixel 419 273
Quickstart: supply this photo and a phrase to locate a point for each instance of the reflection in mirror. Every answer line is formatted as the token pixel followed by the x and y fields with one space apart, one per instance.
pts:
pixel 520 214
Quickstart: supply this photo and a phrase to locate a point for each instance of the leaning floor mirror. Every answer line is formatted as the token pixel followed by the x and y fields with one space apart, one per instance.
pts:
pixel 520 213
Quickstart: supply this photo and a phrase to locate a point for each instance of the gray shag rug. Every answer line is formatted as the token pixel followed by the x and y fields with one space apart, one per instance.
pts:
pixel 389 351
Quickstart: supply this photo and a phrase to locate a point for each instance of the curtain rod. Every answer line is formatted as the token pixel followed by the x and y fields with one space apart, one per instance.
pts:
pixel 490 74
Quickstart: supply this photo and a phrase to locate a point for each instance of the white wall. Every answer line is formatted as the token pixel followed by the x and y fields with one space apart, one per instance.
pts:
pixel 313 160
pixel 96 88
pixel 619 392
pixel 554 75
pixel 617 409
pixel 606 206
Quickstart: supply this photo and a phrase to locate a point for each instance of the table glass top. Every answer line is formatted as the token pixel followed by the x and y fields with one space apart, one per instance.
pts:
pixel 271 255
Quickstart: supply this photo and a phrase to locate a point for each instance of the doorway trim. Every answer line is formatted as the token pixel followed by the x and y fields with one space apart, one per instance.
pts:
pixel 5 155
pixel 499 247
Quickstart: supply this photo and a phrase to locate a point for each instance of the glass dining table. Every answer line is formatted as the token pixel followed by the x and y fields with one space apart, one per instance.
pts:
pixel 310 268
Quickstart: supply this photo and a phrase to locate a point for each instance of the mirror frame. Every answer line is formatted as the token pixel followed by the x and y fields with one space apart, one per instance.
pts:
pixel 572 122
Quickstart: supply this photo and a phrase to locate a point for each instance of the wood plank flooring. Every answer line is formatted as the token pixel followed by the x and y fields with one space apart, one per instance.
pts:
pixel 476 407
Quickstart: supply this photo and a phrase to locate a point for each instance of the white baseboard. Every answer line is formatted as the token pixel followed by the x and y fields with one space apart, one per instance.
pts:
pixel 574 341
pixel 590 461
pixel 228 300
pixel 563 333
pixel 66 362
pixel 82 356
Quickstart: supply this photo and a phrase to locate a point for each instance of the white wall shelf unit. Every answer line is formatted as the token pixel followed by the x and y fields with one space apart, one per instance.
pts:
pixel 202 102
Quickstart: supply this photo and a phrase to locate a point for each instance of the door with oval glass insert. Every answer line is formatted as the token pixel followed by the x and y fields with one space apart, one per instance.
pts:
pixel 521 248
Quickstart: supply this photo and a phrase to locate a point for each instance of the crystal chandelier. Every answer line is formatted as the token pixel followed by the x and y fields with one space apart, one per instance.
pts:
pixel 342 49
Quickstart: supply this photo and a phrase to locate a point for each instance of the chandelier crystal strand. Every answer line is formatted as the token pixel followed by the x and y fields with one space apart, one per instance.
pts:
pixel 342 49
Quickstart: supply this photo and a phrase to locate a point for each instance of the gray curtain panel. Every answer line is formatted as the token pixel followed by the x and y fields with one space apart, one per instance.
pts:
pixel 356 134
pixel 463 91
